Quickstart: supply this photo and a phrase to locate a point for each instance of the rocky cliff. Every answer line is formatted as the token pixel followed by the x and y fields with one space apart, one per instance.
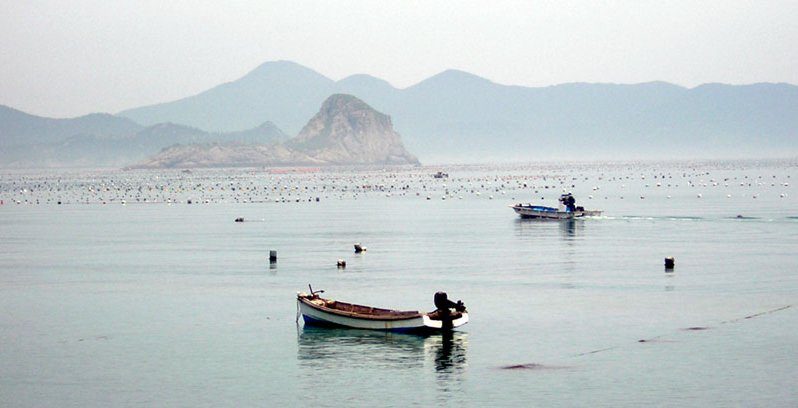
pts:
pixel 348 131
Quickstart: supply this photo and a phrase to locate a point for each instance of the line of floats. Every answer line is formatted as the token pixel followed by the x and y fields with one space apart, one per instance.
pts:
pixel 211 186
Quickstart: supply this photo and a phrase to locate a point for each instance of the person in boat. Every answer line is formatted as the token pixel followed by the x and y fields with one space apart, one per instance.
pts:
pixel 570 203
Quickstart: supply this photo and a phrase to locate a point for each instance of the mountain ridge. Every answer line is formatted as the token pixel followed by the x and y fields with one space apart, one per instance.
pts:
pixel 455 116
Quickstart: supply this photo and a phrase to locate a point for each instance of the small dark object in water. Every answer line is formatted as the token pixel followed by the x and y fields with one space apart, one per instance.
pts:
pixel 669 262
pixel 696 328
pixel 359 248
pixel 654 340
pixel 272 256
pixel 530 366
pixel 341 264
pixel 239 219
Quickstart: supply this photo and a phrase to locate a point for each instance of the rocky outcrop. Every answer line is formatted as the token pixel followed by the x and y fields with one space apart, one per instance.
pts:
pixel 226 155
pixel 348 131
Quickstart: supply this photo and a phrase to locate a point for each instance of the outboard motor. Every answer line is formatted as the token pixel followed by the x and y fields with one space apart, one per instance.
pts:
pixel 443 303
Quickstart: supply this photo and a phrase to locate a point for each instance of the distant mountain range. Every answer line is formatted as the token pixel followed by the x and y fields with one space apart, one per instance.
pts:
pixel 103 140
pixel 456 116
pixel 451 117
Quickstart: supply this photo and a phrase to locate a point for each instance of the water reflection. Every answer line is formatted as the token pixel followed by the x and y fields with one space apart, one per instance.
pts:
pixel 358 348
pixel 350 348
pixel 568 228
pixel 448 352
pixel 540 228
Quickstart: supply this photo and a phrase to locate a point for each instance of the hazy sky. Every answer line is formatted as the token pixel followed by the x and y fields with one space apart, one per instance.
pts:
pixel 69 58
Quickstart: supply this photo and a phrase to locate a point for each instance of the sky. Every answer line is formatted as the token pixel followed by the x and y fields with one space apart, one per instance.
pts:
pixel 70 58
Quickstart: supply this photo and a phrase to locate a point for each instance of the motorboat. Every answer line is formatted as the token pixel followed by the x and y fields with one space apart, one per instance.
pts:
pixel 318 311
pixel 566 211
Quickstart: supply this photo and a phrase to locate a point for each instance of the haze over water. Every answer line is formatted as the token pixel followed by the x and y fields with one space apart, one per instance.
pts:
pixel 126 295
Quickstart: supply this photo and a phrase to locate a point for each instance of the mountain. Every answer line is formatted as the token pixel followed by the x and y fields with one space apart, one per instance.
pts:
pixel 457 116
pixel 281 89
pixel 33 141
pixel 100 140
pixel 345 131
pixel 19 128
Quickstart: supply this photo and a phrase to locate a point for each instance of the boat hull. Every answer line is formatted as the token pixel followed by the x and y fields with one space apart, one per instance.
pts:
pixel 419 322
pixel 550 213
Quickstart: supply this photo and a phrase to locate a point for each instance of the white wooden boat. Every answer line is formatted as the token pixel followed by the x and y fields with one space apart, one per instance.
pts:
pixel 318 311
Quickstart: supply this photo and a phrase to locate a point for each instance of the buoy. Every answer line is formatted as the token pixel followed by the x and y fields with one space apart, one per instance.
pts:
pixel 341 263
pixel 272 256
pixel 669 262
pixel 359 248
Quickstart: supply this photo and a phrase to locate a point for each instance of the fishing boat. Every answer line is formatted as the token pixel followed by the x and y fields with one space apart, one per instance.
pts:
pixel 538 211
pixel 567 210
pixel 319 311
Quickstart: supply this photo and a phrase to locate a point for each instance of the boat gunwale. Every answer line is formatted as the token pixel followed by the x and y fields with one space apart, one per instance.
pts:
pixel 381 314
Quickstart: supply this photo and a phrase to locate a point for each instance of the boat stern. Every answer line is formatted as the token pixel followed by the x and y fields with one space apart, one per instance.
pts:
pixel 437 324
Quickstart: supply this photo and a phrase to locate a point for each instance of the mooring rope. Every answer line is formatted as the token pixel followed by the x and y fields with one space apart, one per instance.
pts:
pixel 695 328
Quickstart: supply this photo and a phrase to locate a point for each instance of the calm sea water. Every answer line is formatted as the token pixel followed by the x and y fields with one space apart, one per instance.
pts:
pixel 175 305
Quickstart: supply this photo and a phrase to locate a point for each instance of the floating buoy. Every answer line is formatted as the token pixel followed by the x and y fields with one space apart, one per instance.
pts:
pixel 272 256
pixel 359 248
pixel 669 262
pixel 341 263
